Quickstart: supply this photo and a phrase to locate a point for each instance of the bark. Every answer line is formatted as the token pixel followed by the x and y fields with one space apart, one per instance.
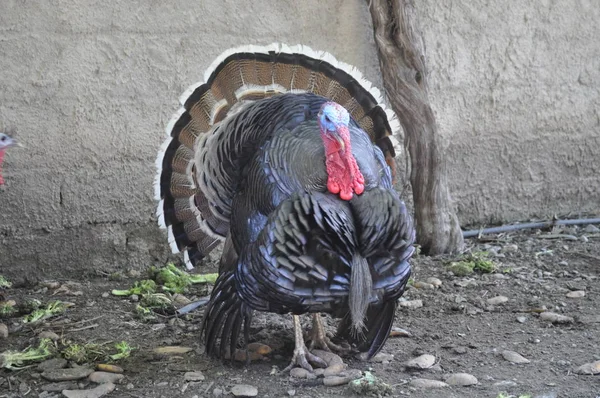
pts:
pixel 401 57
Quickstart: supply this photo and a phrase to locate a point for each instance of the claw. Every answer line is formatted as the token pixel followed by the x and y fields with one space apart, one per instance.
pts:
pixel 302 356
pixel 320 340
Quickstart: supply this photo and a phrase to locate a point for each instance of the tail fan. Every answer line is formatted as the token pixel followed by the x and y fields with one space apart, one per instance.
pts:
pixel 378 324
pixel 224 318
pixel 191 210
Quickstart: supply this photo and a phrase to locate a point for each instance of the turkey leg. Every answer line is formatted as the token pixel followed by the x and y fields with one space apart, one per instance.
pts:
pixel 301 354
pixel 320 340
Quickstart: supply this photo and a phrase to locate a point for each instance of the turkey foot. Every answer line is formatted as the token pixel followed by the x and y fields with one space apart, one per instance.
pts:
pixel 320 340
pixel 302 355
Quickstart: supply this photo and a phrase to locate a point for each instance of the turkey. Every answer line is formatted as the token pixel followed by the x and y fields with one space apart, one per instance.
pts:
pixel 7 140
pixel 286 155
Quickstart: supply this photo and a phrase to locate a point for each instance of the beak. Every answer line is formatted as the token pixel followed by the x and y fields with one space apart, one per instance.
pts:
pixel 336 135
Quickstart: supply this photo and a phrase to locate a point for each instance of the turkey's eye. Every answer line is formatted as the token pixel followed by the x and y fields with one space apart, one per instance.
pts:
pixel 3 138
pixel 327 119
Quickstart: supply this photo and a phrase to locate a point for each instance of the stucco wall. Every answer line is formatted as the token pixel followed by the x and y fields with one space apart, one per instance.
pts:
pixel 91 85
pixel 516 90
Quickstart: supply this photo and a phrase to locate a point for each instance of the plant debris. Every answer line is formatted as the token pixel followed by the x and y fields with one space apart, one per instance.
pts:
pixel 16 359
pixel 175 280
pixel 4 282
pixel 471 262
pixel 52 309
pixel 140 287
pixel 370 385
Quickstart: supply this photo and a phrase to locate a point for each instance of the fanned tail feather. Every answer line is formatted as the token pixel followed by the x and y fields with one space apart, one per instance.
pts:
pixel 224 317
pixel 377 327
pixel 194 214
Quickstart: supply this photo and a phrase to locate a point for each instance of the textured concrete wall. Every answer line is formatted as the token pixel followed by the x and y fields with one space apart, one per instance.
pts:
pixel 91 85
pixel 516 90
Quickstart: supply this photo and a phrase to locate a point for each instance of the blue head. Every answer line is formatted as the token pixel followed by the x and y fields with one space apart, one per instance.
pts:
pixel 332 116
pixel 7 140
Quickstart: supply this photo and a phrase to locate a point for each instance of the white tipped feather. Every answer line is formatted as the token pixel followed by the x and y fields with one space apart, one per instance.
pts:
pixel 157 192
pixel 215 110
pixel 161 215
pixel 255 88
pixel 396 144
pixel 186 260
pixel 158 165
pixel 172 241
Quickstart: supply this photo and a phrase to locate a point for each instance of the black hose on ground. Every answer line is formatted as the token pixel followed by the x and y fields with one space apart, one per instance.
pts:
pixel 516 227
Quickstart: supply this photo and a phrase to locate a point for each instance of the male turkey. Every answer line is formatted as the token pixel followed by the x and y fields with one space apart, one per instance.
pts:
pixel 7 140
pixel 275 155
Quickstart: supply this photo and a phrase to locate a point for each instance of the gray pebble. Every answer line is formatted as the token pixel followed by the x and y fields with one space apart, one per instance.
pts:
pixel 505 383
pixel 591 229
pixel 244 390
pixel 514 357
pixel 461 379
pixel 46 334
pixel 382 357
pixel 105 377
pixel 592 368
pixel 66 374
pixel 411 304
pixel 97 392
pixel 497 300
pixel 52 364
pixel 427 383
pixel 62 385
pixel 193 376
pixel 299 373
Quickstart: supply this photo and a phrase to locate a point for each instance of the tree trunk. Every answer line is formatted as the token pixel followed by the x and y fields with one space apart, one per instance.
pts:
pixel 401 56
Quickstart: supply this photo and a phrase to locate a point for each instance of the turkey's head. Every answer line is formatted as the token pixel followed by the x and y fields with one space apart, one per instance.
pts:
pixel 344 176
pixel 7 140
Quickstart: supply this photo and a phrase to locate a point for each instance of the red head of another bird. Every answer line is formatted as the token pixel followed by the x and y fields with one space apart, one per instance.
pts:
pixel 344 176
pixel 6 141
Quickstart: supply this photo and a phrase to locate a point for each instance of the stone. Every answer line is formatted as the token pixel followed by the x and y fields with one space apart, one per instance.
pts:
pixel 299 373
pixel 434 281
pixel 194 376
pixel 497 300
pixel 77 373
pixel 47 334
pixel 576 294
pixel 461 379
pixel 424 361
pixel 514 357
pixel 61 385
pixel 52 364
pixel 97 392
pixel 382 357
pixel 555 318
pixel 411 304
pixel 105 377
pixel 427 383
pixel 244 390
pixel 592 368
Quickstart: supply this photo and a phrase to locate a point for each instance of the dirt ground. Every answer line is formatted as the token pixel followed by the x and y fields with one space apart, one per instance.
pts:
pixel 456 324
